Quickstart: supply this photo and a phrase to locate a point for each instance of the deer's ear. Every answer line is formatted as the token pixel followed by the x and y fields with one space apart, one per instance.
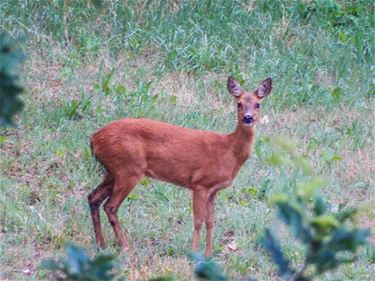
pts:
pixel 264 88
pixel 234 87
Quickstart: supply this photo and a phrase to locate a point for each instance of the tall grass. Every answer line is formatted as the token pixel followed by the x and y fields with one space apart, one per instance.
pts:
pixel 311 47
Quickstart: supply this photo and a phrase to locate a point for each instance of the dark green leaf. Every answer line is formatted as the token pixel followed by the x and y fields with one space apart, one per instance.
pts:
pixel 319 207
pixel 336 94
pixel 168 278
pixel 273 247
pixel 78 266
pixel 207 269
pixel 10 59
pixel 291 214
pixel 97 3
pixel 50 264
pixel 346 214
pixel 348 240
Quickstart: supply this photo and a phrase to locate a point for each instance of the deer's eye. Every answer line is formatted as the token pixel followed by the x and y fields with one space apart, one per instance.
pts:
pixel 257 105
pixel 239 105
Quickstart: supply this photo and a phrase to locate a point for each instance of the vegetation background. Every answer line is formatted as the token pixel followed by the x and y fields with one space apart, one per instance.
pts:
pixel 169 60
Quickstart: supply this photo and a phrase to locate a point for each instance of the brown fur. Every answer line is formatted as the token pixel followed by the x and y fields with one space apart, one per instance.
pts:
pixel 202 161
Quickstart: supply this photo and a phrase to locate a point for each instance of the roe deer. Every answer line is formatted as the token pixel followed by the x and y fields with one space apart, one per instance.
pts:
pixel 202 161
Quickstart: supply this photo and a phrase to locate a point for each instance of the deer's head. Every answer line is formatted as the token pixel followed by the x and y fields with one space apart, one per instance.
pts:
pixel 248 103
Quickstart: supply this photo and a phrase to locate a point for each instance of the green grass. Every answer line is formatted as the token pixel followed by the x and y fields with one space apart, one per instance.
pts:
pixel 169 60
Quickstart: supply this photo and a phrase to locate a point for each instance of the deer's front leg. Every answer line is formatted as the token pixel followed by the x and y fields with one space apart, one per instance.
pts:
pixel 210 222
pixel 199 214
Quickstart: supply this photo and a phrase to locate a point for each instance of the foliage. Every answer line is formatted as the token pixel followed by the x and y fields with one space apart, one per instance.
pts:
pixel 328 237
pixel 10 59
pixel 78 266
pixel 168 278
pixel 206 268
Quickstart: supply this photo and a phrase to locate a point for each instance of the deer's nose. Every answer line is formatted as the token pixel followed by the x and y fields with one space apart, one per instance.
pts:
pixel 248 119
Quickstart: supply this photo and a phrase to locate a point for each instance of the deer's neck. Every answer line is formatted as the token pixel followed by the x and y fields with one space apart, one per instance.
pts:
pixel 242 140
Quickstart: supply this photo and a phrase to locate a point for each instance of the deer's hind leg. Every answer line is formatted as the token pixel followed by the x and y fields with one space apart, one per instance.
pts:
pixel 96 198
pixel 124 184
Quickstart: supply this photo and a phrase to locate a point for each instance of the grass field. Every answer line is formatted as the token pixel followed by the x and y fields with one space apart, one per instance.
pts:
pixel 169 60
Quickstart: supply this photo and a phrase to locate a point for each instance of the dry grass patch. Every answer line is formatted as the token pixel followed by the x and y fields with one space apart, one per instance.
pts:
pixel 179 267
pixel 180 85
pixel 358 165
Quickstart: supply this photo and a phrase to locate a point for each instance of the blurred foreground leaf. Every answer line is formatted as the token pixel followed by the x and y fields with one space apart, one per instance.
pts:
pixel 273 246
pixel 10 59
pixel 330 238
pixel 206 268
pixel 77 265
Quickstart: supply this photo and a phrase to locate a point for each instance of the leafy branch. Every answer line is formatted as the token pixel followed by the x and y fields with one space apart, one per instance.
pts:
pixel 330 238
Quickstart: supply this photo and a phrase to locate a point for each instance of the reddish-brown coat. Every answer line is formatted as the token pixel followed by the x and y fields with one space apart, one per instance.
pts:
pixel 202 161
pixel 183 156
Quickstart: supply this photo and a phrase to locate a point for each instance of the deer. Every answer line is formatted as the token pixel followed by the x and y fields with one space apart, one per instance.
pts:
pixel 204 162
